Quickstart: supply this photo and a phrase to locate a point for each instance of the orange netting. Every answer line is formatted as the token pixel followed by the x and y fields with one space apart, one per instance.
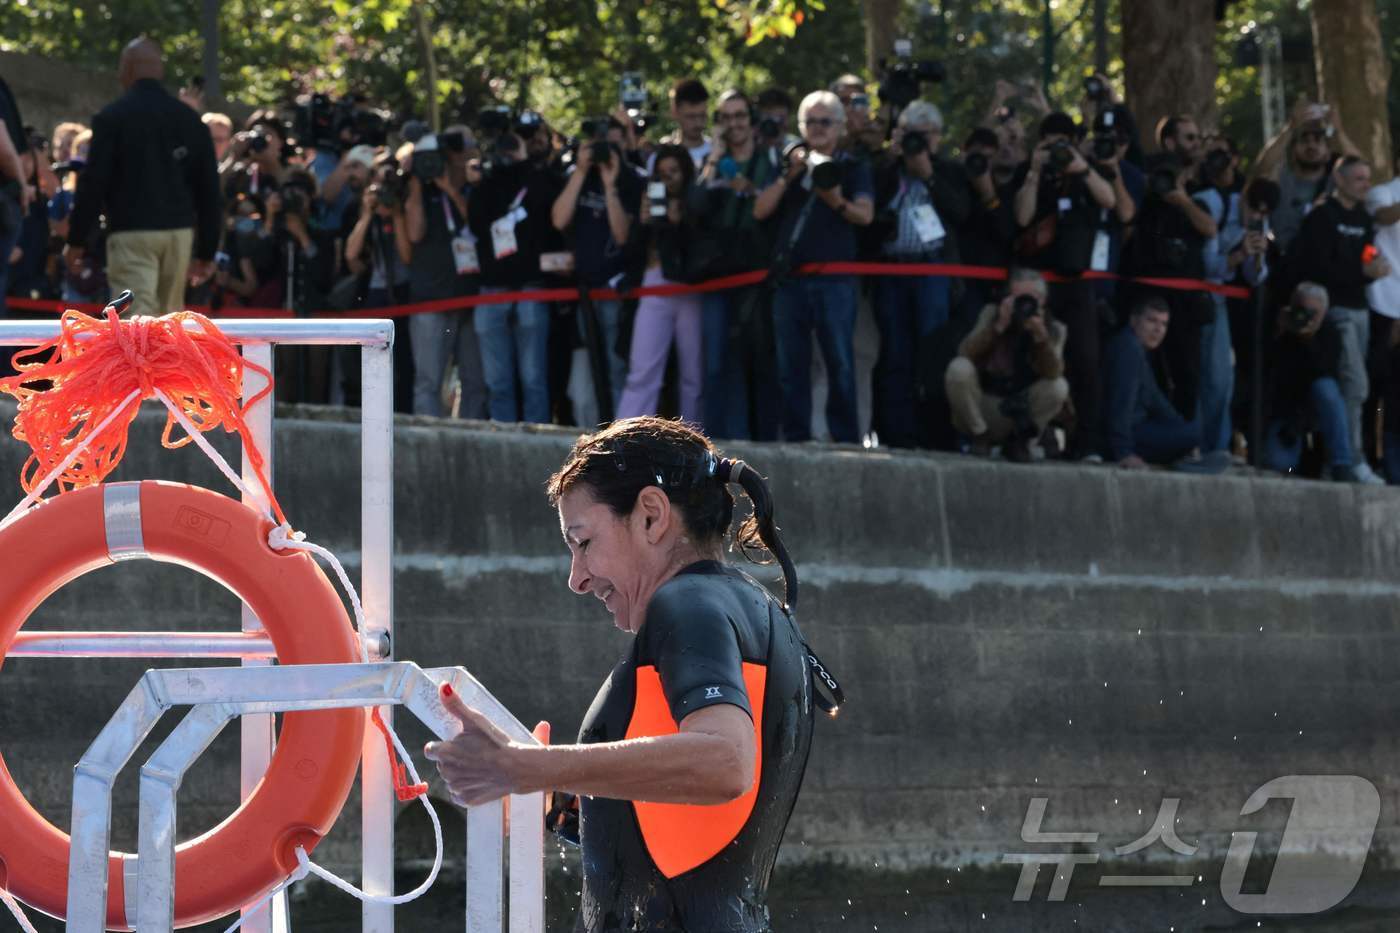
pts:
pixel 67 387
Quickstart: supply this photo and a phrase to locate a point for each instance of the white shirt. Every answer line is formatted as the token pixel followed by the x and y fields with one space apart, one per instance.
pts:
pixel 1384 294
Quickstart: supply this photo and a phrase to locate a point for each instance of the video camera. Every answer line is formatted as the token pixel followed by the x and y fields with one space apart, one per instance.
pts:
pixel 335 125
pixel 904 77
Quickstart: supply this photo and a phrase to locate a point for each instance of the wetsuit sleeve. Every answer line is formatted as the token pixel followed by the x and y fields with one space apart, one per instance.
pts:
pixel 697 653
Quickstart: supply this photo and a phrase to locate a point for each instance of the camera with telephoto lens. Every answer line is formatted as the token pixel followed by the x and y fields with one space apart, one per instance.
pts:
pixel 257 142
pixel 1161 181
pixel 1104 147
pixel 1296 318
pixel 388 190
pixel 501 155
pixel 825 171
pixel 1023 308
pixel 528 124
pixel 770 129
pixel 492 121
pixel 904 76
pixel 1094 89
pixel 977 164
pixel 912 144
pixel 429 162
pixel 1061 156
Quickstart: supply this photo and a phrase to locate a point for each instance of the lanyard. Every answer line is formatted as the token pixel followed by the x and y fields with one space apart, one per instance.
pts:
pixel 447 213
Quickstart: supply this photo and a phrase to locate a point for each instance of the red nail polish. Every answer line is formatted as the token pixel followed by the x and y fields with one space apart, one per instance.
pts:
pixel 447 690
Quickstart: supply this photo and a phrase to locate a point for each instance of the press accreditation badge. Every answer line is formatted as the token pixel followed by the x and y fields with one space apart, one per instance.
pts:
pixel 503 233
pixel 1099 260
pixel 464 255
pixel 927 225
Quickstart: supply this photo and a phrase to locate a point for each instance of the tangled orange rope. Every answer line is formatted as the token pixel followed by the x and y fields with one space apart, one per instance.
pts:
pixel 95 363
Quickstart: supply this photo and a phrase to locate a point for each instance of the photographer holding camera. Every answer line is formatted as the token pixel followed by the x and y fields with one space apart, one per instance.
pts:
pixel 257 156
pixel 820 200
pixel 1307 394
pixel 1142 426
pixel 657 249
pixel 1007 381
pixel 509 213
pixel 595 211
pixel 1299 158
pixel 1060 199
pixel 442 259
pixel 1169 241
pixel 1237 253
pixel 1335 248
pixel 378 243
pixel 728 239
pixel 924 199
pixel 774 117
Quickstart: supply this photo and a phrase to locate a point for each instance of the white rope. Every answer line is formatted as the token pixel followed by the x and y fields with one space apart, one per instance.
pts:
pixel 17 910
pixel 282 537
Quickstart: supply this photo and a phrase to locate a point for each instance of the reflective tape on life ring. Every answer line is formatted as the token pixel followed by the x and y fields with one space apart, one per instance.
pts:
pixel 317 753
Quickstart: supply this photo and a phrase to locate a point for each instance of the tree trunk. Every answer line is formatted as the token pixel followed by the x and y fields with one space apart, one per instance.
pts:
pixel 430 75
pixel 880 27
pixel 1169 61
pixel 1353 75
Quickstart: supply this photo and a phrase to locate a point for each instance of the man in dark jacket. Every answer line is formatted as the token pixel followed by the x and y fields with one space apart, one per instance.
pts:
pixel 921 200
pixel 1142 425
pixel 151 171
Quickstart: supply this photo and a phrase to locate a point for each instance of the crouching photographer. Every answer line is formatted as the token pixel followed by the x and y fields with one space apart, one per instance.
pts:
pixel 1007 381
pixel 1306 392
pixel 923 199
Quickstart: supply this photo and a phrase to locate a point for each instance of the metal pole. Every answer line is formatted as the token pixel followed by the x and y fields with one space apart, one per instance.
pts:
pixel 597 356
pixel 141 645
pixel 377 803
pixel 258 731
pixel 1256 394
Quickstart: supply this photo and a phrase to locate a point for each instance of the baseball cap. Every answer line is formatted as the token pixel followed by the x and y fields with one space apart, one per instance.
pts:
pixel 361 154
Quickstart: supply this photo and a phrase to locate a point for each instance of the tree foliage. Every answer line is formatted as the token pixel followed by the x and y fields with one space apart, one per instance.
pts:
pixel 564 57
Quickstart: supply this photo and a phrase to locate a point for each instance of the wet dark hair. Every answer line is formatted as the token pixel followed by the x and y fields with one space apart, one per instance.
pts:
pixel 616 463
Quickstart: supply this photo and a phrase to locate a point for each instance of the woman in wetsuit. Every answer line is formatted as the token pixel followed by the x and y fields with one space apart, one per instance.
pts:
pixel 690 759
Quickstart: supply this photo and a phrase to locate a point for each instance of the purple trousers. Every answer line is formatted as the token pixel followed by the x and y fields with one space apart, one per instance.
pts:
pixel 659 321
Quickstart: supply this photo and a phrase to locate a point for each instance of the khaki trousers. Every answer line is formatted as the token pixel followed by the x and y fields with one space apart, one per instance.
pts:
pixel 153 264
pixel 976 413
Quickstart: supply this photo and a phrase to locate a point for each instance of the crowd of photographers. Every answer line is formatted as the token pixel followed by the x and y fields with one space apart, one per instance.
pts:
pixel 1088 350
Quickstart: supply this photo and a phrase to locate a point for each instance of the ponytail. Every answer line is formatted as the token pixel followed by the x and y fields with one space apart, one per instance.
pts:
pixel 759 532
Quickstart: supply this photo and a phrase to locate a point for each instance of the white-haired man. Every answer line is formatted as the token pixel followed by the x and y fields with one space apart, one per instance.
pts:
pixel 820 200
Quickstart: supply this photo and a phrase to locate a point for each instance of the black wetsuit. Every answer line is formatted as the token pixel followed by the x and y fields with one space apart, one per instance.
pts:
pixel 712 635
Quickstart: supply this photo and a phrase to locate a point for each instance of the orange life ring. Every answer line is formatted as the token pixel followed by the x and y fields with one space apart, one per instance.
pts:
pixel 317 753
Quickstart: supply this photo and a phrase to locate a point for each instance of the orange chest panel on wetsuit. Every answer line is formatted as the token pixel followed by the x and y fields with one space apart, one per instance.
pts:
pixel 712 636
pixel 682 836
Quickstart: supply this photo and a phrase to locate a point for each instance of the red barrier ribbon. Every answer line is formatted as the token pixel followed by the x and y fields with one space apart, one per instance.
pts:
pixel 990 273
